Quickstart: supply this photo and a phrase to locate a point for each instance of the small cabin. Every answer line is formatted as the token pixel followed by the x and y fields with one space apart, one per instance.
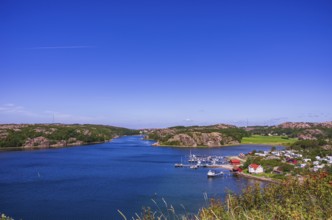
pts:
pixel 291 160
pixel 237 169
pixel 277 170
pixel 235 162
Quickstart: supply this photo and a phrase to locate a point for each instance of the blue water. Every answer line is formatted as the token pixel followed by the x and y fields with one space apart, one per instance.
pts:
pixel 93 182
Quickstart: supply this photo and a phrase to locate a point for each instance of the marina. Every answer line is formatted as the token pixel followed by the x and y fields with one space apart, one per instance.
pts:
pixel 211 161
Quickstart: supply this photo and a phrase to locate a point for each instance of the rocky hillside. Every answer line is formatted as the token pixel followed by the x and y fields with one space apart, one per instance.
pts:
pixel 300 130
pixel 56 135
pixel 299 125
pixel 194 136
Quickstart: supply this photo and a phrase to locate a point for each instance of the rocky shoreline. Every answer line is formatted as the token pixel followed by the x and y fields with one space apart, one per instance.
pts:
pixel 24 148
pixel 250 176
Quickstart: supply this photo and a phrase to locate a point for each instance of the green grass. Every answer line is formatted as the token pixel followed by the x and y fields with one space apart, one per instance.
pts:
pixel 274 140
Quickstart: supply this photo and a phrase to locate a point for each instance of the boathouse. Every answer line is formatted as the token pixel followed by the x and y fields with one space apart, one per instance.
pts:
pixel 235 162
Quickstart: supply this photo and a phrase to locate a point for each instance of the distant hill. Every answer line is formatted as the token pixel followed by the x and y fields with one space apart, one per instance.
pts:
pixel 300 130
pixel 194 136
pixel 223 134
pixel 57 135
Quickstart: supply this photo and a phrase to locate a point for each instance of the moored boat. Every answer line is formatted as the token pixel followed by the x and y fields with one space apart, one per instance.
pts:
pixel 213 173
pixel 178 165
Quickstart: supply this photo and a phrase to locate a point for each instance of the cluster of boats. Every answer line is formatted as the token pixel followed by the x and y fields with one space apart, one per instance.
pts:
pixel 206 160
pixel 196 161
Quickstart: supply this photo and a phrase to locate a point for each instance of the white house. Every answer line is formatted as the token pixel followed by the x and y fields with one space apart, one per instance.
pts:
pixel 316 168
pixel 302 165
pixel 255 168
pixel 316 163
pixel 276 153
pixel 307 160
pixel 260 154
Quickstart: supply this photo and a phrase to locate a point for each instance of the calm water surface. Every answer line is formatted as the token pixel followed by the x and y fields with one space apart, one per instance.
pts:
pixel 93 182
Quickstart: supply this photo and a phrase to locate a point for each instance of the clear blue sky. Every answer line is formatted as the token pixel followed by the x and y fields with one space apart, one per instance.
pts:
pixel 165 62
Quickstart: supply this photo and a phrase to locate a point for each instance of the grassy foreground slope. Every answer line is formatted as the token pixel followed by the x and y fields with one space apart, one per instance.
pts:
pixel 309 199
pixel 57 135
pixel 271 140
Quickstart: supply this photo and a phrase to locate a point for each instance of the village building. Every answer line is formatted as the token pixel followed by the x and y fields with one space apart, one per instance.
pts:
pixel 316 163
pixel 236 169
pixel 255 168
pixel 291 160
pixel 235 162
pixel 277 170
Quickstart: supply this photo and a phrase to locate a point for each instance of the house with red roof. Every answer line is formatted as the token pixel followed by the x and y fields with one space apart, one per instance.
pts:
pixel 255 168
pixel 291 160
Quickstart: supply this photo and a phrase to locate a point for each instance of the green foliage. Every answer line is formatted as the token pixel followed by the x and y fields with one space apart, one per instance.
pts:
pixel 311 153
pixel 172 143
pixel 260 139
pixel 326 133
pixel 266 130
pixel 13 140
pixel 236 133
pixel 307 144
pixel 285 167
pixel 290 200
pixel 328 169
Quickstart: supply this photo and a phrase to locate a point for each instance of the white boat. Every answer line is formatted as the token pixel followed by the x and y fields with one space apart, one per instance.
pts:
pixel 213 173
pixel 193 167
pixel 178 165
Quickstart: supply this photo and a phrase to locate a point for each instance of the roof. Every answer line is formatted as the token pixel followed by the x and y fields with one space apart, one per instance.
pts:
pixel 254 166
pixel 235 161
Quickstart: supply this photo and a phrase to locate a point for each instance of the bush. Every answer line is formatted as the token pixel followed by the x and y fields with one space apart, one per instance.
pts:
pixel 311 199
